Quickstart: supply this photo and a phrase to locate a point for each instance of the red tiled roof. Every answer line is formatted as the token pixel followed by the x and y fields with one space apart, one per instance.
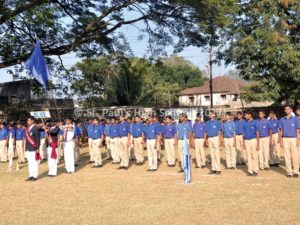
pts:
pixel 221 84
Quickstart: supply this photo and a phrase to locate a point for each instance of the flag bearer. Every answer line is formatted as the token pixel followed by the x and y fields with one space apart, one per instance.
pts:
pixel 275 145
pixel 213 140
pixel 199 129
pixel 52 147
pixel 124 142
pixel 184 128
pixel 169 134
pixel 69 145
pixel 289 140
pixel 89 127
pixel 251 143
pixel 77 139
pixel 137 134
pixel 229 140
pixel 265 135
pixel 3 143
pixel 20 140
pixel 107 137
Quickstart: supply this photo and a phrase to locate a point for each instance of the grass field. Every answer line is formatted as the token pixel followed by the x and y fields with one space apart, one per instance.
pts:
pixel 109 196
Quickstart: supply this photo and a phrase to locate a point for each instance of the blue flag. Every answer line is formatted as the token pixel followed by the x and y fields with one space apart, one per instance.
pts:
pixel 186 161
pixel 36 65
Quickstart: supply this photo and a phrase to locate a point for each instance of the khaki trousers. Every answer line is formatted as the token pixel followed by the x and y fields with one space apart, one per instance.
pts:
pixel 3 151
pixel 291 155
pixel 124 151
pixel 275 150
pixel 170 151
pixel 213 145
pixel 264 152
pixel 230 152
pixel 152 154
pixel 241 152
pixel 90 149
pixel 114 147
pixel 42 148
pixel 138 149
pixel 20 150
pixel 96 152
pixel 200 152
pixel 252 155
pixel 107 141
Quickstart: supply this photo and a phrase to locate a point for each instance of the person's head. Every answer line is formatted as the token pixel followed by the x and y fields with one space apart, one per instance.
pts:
pixel 19 125
pixel 272 115
pixel 248 115
pixel 137 119
pixel 90 121
pixel 298 110
pixel 30 120
pixel 69 120
pixel 113 120
pixel 154 119
pixel 10 126
pixel 168 119
pixel 288 109
pixel 239 115
pixel 228 116
pixel 2 125
pixel 261 114
pixel 211 114
pixel 122 119
pixel 198 117
pixel 183 117
pixel 96 121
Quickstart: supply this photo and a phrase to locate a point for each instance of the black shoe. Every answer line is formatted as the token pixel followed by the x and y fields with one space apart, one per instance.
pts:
pixel 202 167
pixel 149 170
pixel 277 164
pixel 289 175
pixel 295 175
pixel 250 174
pixel 255 174
pixel 197 167
pixel 218 172
pixel 154 170
pixel 90 162
pixel 76 165
pixel 110 158
pixel 125 168
pixel 120 168
pixel 180 171
pixel 159 160
pixel 212 172
pixel 29 179
pixel 34 179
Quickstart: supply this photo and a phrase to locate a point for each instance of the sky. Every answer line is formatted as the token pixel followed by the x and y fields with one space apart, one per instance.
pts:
pixel 197 56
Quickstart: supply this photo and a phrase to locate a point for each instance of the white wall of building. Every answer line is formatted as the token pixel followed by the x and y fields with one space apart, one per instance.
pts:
pixel 219 99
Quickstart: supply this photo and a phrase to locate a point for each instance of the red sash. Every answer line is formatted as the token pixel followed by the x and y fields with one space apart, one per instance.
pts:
pixel 53 146
pixel 29 139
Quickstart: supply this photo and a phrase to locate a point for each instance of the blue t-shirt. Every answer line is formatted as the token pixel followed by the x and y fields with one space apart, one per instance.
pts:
pixel 213 127
pixel 228 129
pixel 289 126
pixel 183 129
pixel 199 129
pixel 250 129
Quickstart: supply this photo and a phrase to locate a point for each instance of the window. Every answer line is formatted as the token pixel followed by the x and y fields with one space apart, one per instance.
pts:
pixel 235 98
pixel 192 99
pixel 207 98
pixel 223 97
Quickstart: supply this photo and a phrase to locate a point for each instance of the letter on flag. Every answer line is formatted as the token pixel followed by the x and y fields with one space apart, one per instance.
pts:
pixel 186 161
pixel 36 65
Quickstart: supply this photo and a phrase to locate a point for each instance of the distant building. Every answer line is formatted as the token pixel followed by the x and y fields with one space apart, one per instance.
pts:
pixel 23 92
pixel 226 93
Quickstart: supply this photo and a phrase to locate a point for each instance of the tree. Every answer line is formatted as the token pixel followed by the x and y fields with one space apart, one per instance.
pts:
pixel 89 28
pixel 132 81
pixel 264 46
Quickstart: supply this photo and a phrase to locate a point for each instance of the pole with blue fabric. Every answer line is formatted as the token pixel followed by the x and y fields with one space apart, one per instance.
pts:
pixel 37 67
pixel 186 161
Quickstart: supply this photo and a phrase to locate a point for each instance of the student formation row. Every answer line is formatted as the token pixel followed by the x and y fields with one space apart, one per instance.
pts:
pixel 256 143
